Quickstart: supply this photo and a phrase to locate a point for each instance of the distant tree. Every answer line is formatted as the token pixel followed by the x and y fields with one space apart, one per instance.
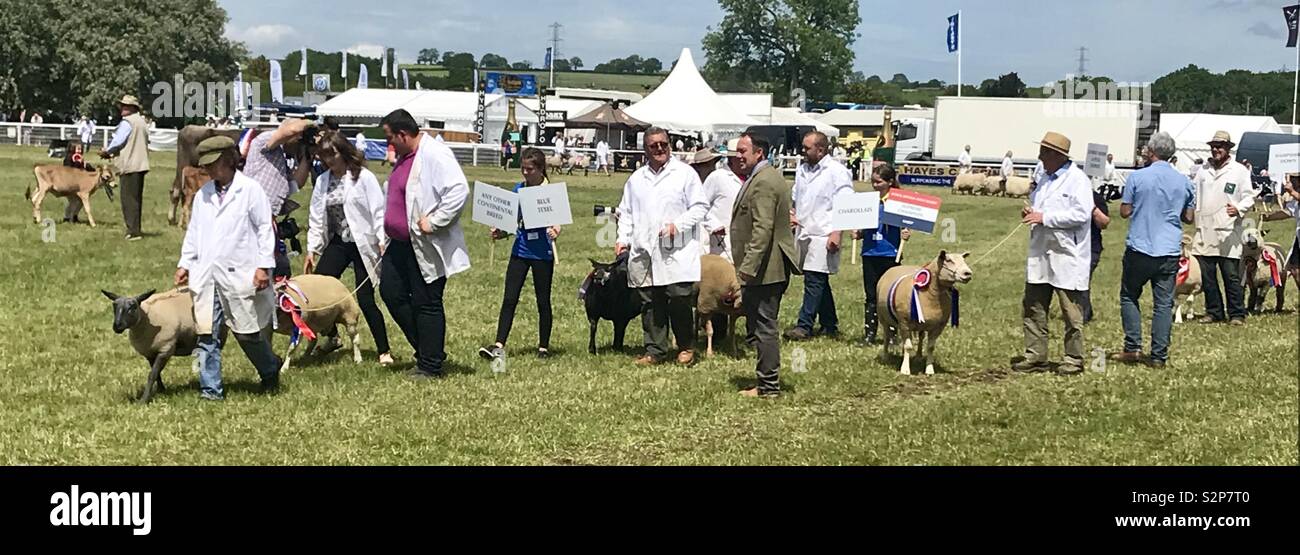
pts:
pixel 901 80
pixel 575 63
pixel 875 80
pixel 427 56
pixel 856 77
pixel 563 65
pixel 788 44
pixel 522 65
pixel 1006 86
pixel 447 56
pixel 934 84
pixel 494 61
pixel 652 65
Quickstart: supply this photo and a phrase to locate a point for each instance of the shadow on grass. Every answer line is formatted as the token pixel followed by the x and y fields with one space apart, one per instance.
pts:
pixel 742 383
pixel 895 362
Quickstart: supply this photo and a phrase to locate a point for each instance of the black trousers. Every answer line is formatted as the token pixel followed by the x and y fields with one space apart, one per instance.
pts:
pixel 416 306
pixel 665 306
pixel 338 255
pixel 132 200
pixel 873 267
pixel 762 315
pixel 516 273
pixel 1086 305
pixel 1230 269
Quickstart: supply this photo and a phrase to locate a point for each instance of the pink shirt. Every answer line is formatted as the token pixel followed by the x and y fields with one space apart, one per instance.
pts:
pixel 395 222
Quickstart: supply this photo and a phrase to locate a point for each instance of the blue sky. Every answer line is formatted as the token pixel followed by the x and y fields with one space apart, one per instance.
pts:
pixel 1127 40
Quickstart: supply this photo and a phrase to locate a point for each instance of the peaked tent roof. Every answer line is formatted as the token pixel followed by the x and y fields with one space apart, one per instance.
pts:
pixel 606 116
pixel 685 102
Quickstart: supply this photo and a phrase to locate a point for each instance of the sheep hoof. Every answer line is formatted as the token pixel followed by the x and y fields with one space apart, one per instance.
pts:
pixel 929 369
pixel 905 370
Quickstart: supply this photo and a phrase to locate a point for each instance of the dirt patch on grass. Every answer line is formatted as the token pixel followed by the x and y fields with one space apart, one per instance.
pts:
pixel 913 386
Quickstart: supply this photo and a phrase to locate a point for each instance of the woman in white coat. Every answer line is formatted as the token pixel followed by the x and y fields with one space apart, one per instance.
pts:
pixel 227 258
pixel 347 229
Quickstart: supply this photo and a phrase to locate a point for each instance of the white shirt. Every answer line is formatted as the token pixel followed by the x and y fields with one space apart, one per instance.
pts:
pixel 602 150
pixel 1110 172
pixel 228 239
pixel 814 192
pixel 1060 249
pixel 1293 206
pixel 1008 167
pixel 437 188
pixel 363 208
pixel 361 144
pixel 650 202
pixel 720 189
pixel 559 145
pixel 87 131
pixel 1217 233
pixel 964 160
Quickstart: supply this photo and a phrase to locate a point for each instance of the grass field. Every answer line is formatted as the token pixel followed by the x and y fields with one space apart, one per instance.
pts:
pixel 1228 398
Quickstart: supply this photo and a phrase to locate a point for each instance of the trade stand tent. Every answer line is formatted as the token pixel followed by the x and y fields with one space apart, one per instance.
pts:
pixel 685 103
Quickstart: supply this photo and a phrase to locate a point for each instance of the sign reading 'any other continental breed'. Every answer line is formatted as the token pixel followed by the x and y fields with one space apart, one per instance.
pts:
pixel 495 207
pixel 1283 159
pixel 545 206
pixel 911 210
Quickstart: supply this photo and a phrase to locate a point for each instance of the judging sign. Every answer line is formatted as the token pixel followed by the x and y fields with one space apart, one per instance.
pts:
pixel 495 207
pixel 856 211
pixel 545 206
pixel 1283 159
pixel 1095 163
pixel 911 210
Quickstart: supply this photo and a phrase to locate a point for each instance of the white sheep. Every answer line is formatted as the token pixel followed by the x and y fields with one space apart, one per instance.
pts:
pixel 325 303
pixel 969 183
pixel 1018 187
pixel 719 295
pixel 1189 288
pixel 934 304
pixel 162 326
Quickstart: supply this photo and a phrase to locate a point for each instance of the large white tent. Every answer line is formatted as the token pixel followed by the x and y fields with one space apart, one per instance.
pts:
pixel 684 102
pixel 1192 131
pixel 794 118
pixel 450 110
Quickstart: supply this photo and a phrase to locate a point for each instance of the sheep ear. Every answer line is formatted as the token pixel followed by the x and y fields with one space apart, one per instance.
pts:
pixel 943 256
pixel 965 254
pixel 146 295
pixel 111 296
pixel 594 264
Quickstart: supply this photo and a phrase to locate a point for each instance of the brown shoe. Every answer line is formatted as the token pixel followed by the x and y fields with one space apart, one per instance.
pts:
pixel 686 357
pixel 1126 357
pixel 646 360
pixel 1237 322
pixel 1207 320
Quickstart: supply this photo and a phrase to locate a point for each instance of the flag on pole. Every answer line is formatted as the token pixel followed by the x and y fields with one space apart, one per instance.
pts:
pixel 406 80
pixel 1292 14
pixel 277 82
pixel 363 77
pixel 239 90
pixel 302 68
pixel 345 69
pixel 954 38
pixel 383 63
pixel 547 65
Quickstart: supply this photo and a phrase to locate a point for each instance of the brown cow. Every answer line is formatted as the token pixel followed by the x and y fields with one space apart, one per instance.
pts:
pixel 63 181
pixel 187 142
pixel 192 179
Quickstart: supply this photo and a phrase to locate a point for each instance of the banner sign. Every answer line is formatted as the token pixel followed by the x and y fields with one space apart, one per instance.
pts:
pixel 856 211
pixel 495 207
pixel 511 84
pixel 911 210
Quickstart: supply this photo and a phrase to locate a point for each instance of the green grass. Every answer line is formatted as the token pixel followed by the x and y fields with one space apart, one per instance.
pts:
pixel 1230 396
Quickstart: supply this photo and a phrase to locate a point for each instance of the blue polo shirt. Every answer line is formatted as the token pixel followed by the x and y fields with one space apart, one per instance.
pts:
pixel 532 244
pixel 1159 194
pixel 882 241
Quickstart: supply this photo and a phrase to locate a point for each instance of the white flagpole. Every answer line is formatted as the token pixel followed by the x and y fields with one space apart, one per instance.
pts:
pixel 960 47
pixel 1295 91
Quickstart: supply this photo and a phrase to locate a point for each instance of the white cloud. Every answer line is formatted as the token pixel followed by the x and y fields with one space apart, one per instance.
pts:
pixel 366 49
pixel 264 37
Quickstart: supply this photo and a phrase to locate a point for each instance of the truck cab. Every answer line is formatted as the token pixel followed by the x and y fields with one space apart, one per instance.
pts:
pixel 914 139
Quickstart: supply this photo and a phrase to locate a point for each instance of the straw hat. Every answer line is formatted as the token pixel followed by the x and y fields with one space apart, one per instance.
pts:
pixel 1057 142
pixel 1222 137
pixel 706 156
pixel 129 100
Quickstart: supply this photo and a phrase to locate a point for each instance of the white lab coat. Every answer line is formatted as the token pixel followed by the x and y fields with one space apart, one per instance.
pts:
pixel 437 188
pixel 720 190
pixel 361 144
pixel 602 153
pixel 964 161
pixel 814 192
pixel 1110 173
pixel 1008 168
pixel 559 146
pixel 228 239
pixel 1060 250
pixel 1217 233
pixel 651 202
pixel 86 131
pixel 363 208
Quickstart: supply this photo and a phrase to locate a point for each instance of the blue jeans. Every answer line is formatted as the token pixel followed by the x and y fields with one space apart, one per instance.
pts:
pixel 818 303
pixel 255 346
pixel 1161 272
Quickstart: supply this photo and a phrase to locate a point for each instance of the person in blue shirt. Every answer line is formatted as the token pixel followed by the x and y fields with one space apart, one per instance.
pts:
pixel 1159 200
pixel 533 250
pixel 879 247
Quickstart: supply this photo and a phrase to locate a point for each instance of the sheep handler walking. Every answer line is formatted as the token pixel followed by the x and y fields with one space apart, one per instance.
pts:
pixel 227 258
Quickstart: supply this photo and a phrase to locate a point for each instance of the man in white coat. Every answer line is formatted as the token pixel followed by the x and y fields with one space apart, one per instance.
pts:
pixel 659 217
pixel 964 161
pixel 1060 252
pixel 818 180
pixel 602 158
pixel 1224 196
pixel 86 132
pixel 227 258
pixel 720 188
pixel 1007 170
pixel 426 245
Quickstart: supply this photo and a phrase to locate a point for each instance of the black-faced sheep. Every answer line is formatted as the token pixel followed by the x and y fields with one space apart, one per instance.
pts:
pixel 161 326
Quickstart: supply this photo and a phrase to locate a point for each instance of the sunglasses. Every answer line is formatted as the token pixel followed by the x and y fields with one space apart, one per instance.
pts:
pixel 1223 146
pixel 657 146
